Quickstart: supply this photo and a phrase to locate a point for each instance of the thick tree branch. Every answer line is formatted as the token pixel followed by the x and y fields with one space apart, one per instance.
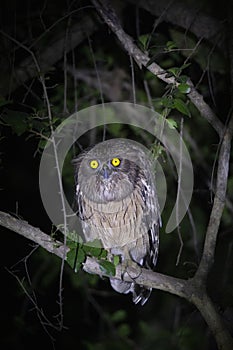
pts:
pixel 34 234
pixel 111 19
pixel 205 110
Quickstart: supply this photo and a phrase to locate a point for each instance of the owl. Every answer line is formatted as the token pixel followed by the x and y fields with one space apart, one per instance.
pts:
pixel 118 205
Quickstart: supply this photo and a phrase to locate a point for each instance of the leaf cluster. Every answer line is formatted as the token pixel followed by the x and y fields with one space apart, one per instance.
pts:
pixel 79 252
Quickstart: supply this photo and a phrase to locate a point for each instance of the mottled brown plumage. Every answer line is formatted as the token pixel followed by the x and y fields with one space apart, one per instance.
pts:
pixel 117 204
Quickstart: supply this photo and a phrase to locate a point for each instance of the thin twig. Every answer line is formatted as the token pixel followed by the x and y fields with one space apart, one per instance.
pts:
pixel 133 79
pixel 148 94
pixel 65 109
pixel 179 192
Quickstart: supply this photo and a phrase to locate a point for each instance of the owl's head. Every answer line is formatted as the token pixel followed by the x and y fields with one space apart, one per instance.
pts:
pixel 110 170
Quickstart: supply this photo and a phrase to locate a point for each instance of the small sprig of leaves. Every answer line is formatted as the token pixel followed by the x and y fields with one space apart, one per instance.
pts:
pixel 175 97
pixel 78 253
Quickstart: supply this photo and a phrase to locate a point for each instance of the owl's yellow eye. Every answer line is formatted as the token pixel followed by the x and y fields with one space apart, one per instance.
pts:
pixel 115 162
pixel 94 164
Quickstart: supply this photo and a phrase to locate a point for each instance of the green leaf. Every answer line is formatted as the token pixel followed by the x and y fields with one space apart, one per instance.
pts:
pixel 182 79
pixel 107 267
pixel 124 330
pixel 185 65
pixel 157 150
pixel 116 260
pixel 16 120
pixel 143 39
pixel 75 257
pixel 181 106
pixel 70 257
pixel 174 71
pixel 92 251
pixel 172 124
pixel 171 45
pixel 71 244
pixel 42 144
pixel 103 254
pixel 118 316
pixel 184 88
pixel 166 102
pixel 93 248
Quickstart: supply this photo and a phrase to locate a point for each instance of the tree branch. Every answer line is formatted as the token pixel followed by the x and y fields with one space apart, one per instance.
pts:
pixel 111 19
pixel 141 276
pixel 205 110
pixel 144 277
pixel 218 206
pixel 213 319
pixel 34 234
pixel 188 17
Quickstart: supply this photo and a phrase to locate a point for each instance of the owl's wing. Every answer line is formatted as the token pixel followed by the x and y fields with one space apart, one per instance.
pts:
pixel 79 202
pixel 152 220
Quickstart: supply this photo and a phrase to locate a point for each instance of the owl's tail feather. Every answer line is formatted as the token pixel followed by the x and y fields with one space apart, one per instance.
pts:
pixel 140 294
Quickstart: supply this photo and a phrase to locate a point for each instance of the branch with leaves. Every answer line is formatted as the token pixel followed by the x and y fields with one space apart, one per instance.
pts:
pixel 190 18
pixel 143 60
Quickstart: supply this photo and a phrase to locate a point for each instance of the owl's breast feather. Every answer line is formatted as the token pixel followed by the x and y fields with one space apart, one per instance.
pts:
pixel 115 223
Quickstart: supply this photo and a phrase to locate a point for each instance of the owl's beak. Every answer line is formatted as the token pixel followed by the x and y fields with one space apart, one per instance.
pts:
pixel 105 171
